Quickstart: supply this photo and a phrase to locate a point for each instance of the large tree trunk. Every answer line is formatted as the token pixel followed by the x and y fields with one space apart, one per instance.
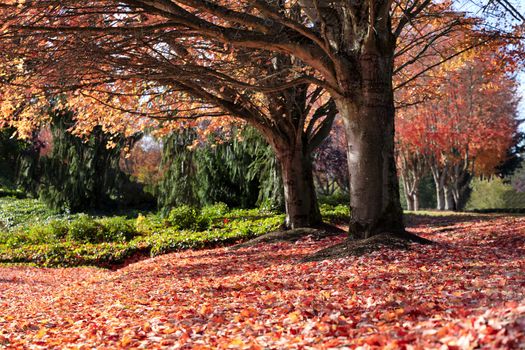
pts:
pixel 369 125
pixel 302 209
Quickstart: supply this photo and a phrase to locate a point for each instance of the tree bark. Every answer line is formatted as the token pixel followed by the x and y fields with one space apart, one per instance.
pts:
pixel 411 182
pixel 440 197
pixel 459 181
pixel 369 124
pixel 302 209
pixel 416 201
pixel 408 194
pixel 439 176
pixel 410 202
pixel 449 199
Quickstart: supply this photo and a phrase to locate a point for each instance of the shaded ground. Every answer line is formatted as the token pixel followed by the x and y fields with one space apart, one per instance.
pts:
pixel 292 236
pixel 466 291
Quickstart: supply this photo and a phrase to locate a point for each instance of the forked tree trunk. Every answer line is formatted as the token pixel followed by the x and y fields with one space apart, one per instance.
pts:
pixel 459 182
pixel 302 209
pixel 410 202
pixel 439 176
pixel 449 198
pixel 411 195
pixel 411 192
pixel 369 125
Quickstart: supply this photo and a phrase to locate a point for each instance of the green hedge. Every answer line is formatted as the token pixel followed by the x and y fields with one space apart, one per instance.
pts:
pixel 106 242
pixel 77 240
pixel 494 195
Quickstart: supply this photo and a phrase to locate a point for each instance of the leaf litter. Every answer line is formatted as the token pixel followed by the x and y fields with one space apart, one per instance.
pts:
pixel 465 292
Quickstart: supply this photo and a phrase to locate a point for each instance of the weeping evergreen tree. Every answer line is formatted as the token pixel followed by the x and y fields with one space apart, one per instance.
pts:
pixel 266 169
pixel 82 174
pixel 28 165
pixel 178 185
pixel 11 150
pixel 238 169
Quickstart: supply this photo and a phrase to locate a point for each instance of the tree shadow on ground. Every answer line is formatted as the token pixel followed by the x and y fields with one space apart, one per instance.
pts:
pixel 440 220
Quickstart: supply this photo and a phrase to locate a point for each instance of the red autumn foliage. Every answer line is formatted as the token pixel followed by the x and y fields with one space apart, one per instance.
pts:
pixel 467 291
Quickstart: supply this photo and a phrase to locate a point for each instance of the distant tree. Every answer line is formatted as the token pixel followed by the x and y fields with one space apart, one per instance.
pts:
pixel 331 164
pixel 178 184
pixel 11 149
pixel 236 167
pixel 142 161
pixel 514 158
pixel 466 131
pixel 81 174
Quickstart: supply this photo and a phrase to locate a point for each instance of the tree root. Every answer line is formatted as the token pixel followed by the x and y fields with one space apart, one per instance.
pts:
pixel 394 241
pixel 321 232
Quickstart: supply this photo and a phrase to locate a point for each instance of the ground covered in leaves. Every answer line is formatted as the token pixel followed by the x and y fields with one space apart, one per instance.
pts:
pixel 467 291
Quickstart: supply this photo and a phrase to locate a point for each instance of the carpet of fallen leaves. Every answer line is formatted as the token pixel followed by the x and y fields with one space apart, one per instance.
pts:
pixel 466 292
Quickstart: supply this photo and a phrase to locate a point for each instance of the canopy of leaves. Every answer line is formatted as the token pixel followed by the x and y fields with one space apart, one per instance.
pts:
pixel 471 120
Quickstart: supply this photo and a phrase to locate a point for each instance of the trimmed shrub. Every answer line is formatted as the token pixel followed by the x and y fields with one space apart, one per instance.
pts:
pixel 117 229
pixel 338 213
pixel 85 229
pixel 187 218
pixel 215 211
pixel 182 217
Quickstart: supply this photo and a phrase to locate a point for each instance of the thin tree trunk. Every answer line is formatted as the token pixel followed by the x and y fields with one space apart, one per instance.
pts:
pixel 410 202
pixel 440 196
pixel 439 176
pixel 408 194
pixel 449 199
pixel 416 201
pixel 455 197
pixel 302 209
pixel 460 187
pixel 369 126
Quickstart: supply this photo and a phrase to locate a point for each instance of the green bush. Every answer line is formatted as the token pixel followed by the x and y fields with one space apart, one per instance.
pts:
pixel 53 231
pixel 182 217
pixel 149 224
pixel 338 213
pixel 16 213
pixel 59 228
pixel 338 198
pixel 253 214
pixel 85 229
pixel 215 211
pixel 187 218
pixel 494 194
pixel 32 236
pixel 171 240
pixel 252 228
pixel 88 230
pixel 117 229
pixel 84 240
pixel 68 254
